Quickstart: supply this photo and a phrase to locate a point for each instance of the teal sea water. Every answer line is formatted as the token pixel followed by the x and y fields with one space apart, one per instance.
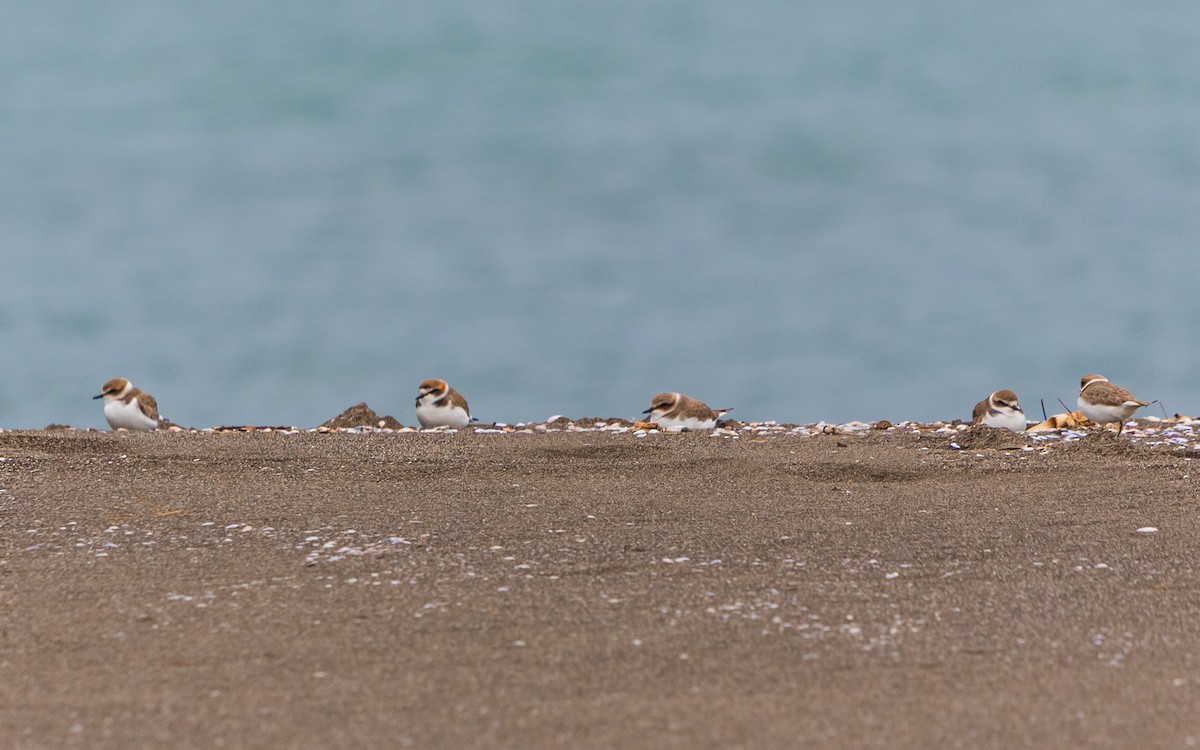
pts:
pixel 265 212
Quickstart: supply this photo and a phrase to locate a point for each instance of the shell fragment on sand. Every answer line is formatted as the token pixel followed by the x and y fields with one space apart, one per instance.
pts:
pixel 1071 421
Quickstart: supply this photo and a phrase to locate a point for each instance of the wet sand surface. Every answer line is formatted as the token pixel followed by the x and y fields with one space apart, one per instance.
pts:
pixel 596 590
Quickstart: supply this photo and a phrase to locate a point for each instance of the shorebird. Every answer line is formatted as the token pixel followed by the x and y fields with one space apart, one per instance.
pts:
pixel 128 408
pixel 1102 402
pixel 1001 409
pixel 439 405
pixel 674 412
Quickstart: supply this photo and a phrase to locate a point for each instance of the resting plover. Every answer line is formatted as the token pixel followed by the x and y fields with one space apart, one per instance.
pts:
pixel 127 408
pixel 439 405
pixel 1102 402
pixel 1001 409
pixel 675 411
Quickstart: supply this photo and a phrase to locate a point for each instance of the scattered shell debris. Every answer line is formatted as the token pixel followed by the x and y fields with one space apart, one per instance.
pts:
pixel 1178 432
pixel 125 538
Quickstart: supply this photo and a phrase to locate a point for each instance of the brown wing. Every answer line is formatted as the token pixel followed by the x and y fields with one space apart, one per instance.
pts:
pixel 456 399
pixel 981 410
pixel 148 405
pixel 690 408
pixel 1107 394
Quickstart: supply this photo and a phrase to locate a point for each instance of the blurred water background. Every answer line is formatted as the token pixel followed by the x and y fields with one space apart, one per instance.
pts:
pixel 264 212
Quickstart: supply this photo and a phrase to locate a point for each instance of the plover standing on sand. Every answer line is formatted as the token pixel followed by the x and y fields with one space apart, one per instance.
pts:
pixel 439 405
pixel 1102 402
pixel 128 408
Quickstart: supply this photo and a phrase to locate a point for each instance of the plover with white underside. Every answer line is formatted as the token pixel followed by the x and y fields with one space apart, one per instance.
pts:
pixel 1002 410
pixel 674 412
pixel 439 405
pixel 1104 403
pixel 128 408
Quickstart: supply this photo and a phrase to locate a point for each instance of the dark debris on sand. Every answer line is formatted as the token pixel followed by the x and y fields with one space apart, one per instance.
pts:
pixel 361 415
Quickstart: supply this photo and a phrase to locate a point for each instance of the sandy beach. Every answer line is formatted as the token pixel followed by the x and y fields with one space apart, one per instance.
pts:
pixel 597 590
